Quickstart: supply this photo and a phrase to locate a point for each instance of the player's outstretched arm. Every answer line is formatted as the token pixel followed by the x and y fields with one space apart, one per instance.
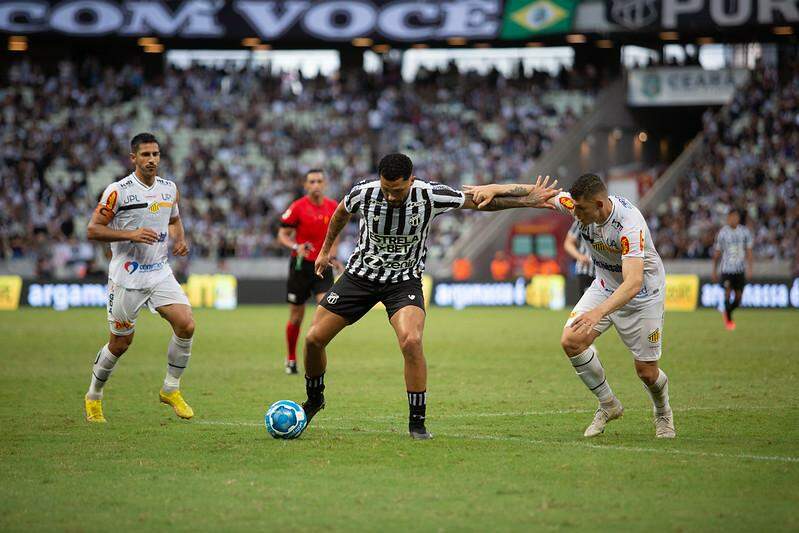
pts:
pixel 337 223
pixel 496 197
pixel 632 271
pixel 98 229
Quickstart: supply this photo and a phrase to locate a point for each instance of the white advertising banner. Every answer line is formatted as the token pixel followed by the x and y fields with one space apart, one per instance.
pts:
pixel 683 86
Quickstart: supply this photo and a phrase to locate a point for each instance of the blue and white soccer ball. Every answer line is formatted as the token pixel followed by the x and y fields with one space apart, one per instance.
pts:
pixel 285 420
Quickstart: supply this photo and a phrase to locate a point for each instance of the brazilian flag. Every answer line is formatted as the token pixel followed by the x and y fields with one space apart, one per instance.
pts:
pixel 527 18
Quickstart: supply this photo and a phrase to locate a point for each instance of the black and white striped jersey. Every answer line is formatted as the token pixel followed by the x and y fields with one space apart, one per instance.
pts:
pixel 392 241
pixel 733 245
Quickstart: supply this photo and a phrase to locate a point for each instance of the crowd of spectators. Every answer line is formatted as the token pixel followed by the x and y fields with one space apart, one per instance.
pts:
pixel 748 162
pixel 238 140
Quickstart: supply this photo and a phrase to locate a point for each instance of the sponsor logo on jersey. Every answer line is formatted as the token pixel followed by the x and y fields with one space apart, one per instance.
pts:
pixel 132 199
pixel 394 244
pixel 287 214
pixel 606 266
pixel 162 236
pixel 600 246
pixel 332 298
pixel 625 246
pixel 131 266
pixel 616 224
pixel 111 202
pixel 567 202
pixel 654 336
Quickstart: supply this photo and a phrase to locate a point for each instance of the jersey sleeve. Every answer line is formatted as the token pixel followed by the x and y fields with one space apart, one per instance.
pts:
pixel 353 199
pixel 290 217
pixel 445 199
pixel 564 204
pixel 109 201
pixel 632 241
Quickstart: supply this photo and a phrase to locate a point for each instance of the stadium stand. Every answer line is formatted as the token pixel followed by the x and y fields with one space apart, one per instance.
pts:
pixel 748 161
pixel 238 141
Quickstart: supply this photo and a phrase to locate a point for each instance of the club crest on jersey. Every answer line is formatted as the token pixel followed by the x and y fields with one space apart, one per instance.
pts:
pixel 415 219
pixel 332 298
pixel 625 246
pixel 154 207
pixel 567 202
pixel 131 266
pixel 654 337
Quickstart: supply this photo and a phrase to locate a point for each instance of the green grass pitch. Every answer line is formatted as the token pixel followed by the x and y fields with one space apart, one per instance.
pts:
pixel 504 404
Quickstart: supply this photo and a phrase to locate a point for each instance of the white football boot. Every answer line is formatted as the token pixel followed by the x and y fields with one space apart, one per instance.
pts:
pixel 664 426
pixel 602 416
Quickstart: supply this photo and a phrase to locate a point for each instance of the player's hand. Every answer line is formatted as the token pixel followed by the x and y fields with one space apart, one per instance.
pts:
pixel 542 192
pixel 586 321
pixel 144 236
pixel 321 264
pixel 481 194
pixel 181 248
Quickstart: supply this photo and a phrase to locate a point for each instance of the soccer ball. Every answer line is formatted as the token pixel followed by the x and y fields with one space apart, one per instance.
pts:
pixel 285 420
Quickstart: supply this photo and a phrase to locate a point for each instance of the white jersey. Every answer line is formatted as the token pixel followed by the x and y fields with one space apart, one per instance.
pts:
pixel 623 235
pixel 134 205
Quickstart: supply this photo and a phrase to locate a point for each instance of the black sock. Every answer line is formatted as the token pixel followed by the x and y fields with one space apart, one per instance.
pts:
pixel 417 406
pixel 314 387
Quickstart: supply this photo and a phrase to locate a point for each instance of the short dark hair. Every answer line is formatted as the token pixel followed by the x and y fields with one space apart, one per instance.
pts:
pixel 587 186
pixel 142 138
pixel 314 171
pixel 395 166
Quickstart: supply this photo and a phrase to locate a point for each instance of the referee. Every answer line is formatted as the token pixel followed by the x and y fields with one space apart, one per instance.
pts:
pixel 303 228
pixel 579 249
pixel 733 250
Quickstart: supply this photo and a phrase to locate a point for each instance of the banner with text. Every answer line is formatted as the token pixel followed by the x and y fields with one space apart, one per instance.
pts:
pixel 683 86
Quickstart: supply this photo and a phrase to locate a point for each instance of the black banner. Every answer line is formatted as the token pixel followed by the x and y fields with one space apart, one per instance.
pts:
pixel 699 15
pixel 288 21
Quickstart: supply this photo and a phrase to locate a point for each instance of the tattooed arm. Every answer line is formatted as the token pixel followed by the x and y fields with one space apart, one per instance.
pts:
pixel 497 197
pixel 537 193
pixel 339 221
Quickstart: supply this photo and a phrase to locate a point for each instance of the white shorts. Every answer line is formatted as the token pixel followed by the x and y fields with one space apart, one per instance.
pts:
pixel 639 327
pixel 124 304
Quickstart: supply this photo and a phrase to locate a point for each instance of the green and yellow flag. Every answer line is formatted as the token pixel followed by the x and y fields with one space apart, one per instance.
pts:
pixel 527 18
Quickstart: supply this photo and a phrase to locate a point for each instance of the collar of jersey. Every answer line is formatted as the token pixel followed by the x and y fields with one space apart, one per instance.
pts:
pixel 611 213
pixel 142 184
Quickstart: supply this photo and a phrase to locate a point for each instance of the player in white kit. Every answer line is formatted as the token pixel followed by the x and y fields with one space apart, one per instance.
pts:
pixel 628 292
pixel 139 215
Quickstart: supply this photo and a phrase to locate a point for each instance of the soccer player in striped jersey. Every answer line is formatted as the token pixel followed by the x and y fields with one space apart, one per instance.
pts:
pixel 396 211
pixel 139 215
pixel 579 249
pixel 733 250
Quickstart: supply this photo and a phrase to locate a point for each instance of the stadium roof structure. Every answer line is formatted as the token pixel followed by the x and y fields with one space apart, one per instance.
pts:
pixel 385 24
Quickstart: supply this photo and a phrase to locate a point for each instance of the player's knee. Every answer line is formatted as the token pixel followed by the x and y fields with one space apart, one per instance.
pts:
pixel 119 345
pixel 571 343
pixel 410 344
pixel 314 340
pixel 184 328
pixel 647 373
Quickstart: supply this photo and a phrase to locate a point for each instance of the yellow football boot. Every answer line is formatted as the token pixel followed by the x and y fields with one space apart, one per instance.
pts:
pixel 94 410
pixel 175 399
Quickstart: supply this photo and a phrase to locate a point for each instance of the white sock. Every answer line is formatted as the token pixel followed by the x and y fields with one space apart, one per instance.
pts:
pixel 589 368
pixel 177 355
pixel 659 392
pixel 101 371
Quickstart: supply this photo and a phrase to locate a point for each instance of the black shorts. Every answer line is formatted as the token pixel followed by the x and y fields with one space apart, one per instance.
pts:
pixel 734 282
pixel 352 297
pixel 583 282
pixel 304 283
